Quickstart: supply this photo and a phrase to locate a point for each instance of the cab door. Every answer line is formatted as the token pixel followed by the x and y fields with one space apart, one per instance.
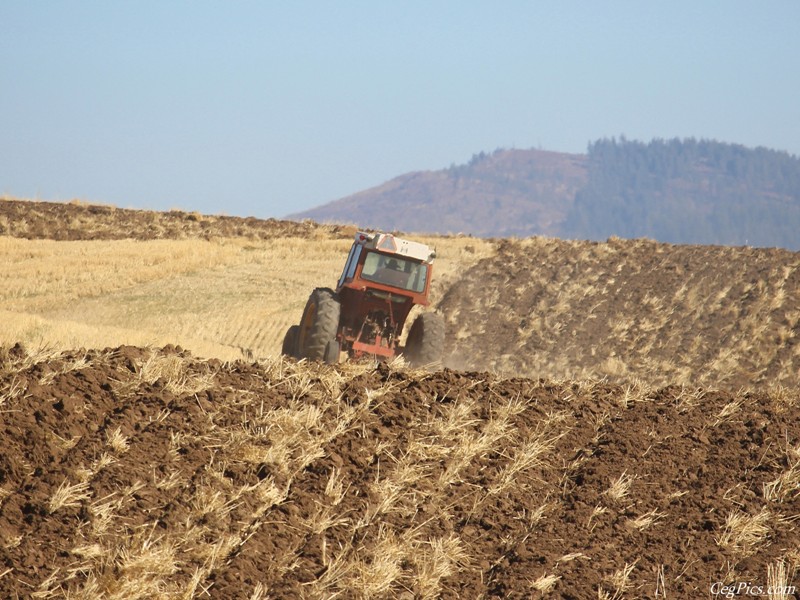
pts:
pixel 350 266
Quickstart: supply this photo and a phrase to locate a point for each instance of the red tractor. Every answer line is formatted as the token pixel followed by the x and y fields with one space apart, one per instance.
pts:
pixel 383 279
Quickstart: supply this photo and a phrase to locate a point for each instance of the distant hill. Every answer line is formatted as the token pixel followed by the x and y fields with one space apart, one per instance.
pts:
pixel 505 193
pixel 677 191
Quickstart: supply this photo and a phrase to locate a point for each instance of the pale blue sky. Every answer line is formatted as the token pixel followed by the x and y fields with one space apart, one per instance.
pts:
pixel 267 108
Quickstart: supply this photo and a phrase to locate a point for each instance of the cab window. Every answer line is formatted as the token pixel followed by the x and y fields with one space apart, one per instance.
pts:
pixel 389 269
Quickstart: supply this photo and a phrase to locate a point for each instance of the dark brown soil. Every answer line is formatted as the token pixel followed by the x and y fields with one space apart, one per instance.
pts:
pixel 696 457
pixel 630 309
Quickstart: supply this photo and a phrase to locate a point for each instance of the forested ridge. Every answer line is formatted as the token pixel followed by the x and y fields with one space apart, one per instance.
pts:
pixel 689 191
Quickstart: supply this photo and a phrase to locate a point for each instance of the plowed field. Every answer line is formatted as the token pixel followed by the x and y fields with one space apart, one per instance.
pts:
pixel 135 473
pixel 630 309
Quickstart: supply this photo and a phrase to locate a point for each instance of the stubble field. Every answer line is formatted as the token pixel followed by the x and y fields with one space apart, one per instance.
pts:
pixel 619 427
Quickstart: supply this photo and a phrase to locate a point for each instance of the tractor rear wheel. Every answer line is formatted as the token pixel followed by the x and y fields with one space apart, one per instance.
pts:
pixel 289 347
pixel 319 326
pixel 425 343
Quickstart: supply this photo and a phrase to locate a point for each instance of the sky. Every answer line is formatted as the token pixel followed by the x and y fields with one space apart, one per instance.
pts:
pixel 268 108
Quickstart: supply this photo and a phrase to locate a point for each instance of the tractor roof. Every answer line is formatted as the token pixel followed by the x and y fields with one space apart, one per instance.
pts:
pixel 386 242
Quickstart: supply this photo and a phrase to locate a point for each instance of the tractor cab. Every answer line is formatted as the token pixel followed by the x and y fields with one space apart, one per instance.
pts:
pixel 382 260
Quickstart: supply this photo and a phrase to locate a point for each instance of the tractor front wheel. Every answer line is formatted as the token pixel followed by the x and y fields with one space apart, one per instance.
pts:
pixel 425 343
pixel 319 326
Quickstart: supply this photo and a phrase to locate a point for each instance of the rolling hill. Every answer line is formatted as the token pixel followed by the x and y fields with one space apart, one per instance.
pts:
pixel 229 288
pixel 502 194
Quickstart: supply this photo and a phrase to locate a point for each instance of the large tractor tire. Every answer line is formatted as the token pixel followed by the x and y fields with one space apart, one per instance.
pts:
pixel 425 343
pixel 289 347
pixel 317 332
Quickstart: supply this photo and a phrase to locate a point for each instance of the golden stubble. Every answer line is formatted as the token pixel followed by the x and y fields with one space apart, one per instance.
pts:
pixel 225 298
